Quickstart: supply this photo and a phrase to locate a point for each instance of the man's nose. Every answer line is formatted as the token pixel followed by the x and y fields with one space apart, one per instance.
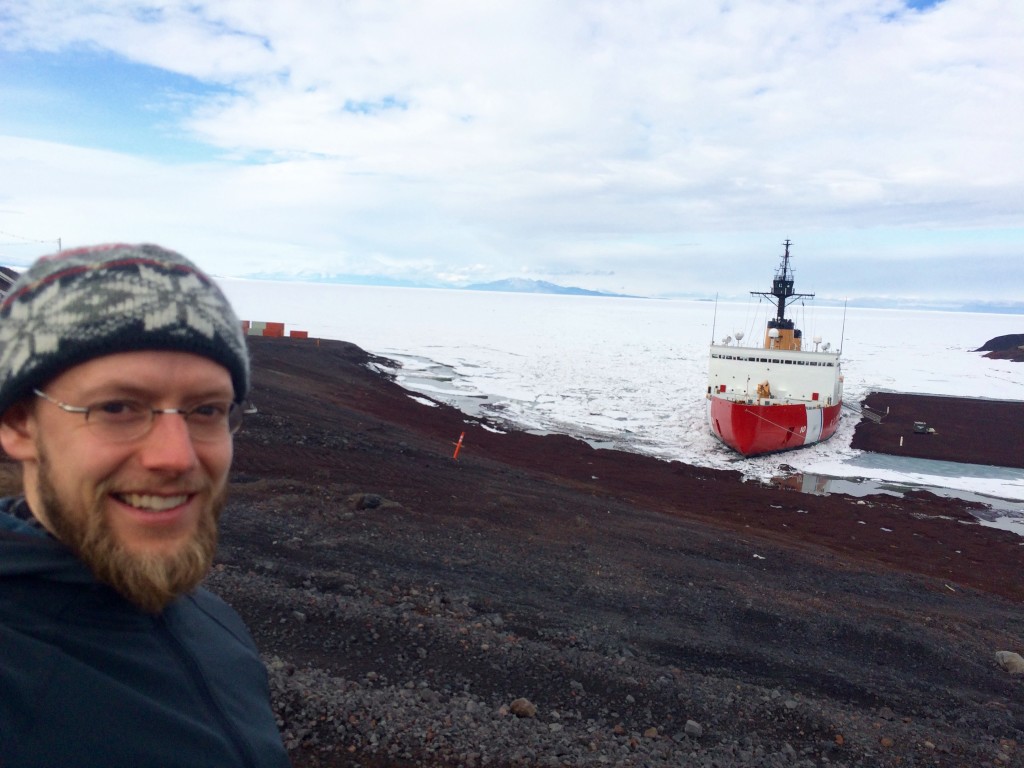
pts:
pixel 168 446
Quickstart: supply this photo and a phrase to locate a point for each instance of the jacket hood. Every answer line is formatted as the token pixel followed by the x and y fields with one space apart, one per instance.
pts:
pixel 25 550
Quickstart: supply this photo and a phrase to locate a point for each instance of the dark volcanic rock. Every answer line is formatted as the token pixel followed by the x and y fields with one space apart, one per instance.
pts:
pixel 654 613
pixel 1008 347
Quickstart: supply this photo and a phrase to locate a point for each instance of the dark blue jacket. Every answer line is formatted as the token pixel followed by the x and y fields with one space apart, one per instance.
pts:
pixel 87 679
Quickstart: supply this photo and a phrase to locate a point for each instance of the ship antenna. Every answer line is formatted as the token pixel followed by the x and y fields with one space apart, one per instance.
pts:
pixel 842 333
pixel 782 288
pixel 714 320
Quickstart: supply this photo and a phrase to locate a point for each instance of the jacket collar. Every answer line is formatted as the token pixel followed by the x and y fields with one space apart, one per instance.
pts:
pixel 27 549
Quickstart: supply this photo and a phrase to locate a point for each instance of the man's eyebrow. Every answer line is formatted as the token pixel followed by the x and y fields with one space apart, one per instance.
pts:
pixel 132 391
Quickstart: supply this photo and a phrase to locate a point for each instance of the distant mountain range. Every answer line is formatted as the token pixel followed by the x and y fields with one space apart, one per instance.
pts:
pixel 520 285
pixel 508 285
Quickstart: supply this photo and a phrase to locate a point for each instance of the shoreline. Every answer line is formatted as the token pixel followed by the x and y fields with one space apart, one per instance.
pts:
pixel 341 375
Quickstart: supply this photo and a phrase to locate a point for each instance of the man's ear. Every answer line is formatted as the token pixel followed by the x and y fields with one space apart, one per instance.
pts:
pixel 18 432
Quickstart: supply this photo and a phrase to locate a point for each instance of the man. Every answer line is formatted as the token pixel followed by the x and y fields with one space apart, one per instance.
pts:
pixel 122 373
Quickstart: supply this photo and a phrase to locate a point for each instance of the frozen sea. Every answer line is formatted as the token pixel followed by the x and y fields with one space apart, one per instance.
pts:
pixel 632 373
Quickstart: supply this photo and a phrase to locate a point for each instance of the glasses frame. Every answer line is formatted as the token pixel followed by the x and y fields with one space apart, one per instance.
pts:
pixel 234 417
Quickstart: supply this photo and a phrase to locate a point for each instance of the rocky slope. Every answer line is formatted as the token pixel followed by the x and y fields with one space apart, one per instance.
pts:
pixel 537 602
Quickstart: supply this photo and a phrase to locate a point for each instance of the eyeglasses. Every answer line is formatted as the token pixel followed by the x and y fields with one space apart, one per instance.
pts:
pixel 121 421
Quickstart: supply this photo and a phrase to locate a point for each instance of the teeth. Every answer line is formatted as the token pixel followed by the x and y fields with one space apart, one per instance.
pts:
pixel 151 502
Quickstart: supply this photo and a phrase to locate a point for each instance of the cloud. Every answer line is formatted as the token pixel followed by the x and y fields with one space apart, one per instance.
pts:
pixel 457 137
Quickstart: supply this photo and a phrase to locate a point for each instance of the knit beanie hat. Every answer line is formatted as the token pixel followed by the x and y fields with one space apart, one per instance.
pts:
pixel 81 304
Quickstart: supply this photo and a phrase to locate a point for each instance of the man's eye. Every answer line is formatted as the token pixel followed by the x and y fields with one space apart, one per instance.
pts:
pixel 118 409
pixel 210 411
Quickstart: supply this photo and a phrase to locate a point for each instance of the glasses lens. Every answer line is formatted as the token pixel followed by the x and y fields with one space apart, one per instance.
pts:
pixel 213 421
pixel 119 419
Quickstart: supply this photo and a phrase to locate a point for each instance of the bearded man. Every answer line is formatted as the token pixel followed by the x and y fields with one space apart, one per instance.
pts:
pixel 123 370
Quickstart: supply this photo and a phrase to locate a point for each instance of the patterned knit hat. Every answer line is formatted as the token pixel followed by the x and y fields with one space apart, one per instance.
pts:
pixel 86 303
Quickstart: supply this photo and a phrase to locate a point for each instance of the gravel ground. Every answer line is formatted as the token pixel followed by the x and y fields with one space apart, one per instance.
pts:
pixel 527 606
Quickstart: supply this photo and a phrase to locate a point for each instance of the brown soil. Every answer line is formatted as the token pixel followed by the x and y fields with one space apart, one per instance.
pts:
pixel 345 485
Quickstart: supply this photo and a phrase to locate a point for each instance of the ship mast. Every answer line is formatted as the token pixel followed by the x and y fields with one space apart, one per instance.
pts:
pixel 782 290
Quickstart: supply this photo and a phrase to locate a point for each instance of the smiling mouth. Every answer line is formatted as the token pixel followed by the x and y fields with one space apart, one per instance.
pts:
pixel 148 502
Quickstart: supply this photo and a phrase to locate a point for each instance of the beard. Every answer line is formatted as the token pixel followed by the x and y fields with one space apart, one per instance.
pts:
pixel 149 581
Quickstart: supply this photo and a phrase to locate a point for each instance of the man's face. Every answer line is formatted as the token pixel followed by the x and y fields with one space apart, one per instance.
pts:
pixel 142 514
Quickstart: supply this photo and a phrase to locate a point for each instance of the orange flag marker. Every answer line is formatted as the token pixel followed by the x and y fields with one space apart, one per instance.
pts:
pixel 458 446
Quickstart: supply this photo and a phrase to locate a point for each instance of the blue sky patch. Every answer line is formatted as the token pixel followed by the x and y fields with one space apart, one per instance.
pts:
pixel 101 101
pixel 375 107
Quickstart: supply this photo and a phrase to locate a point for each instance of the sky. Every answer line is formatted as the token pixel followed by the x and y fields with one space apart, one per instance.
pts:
pixel 651 147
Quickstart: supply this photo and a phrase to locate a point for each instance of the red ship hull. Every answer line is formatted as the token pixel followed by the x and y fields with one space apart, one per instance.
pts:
pixel 753 429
